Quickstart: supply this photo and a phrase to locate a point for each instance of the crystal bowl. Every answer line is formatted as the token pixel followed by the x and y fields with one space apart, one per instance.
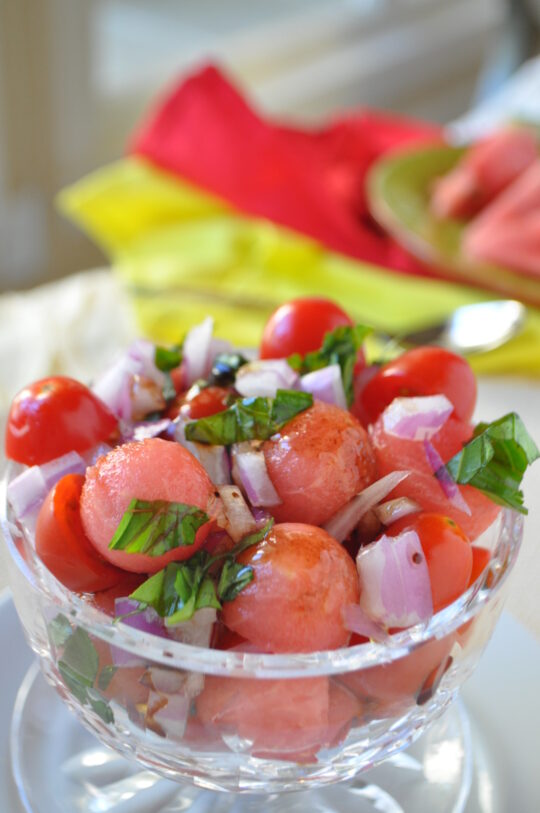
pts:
pixel 244 721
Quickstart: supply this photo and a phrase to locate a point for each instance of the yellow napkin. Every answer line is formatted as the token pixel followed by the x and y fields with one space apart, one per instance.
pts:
pixel 184 254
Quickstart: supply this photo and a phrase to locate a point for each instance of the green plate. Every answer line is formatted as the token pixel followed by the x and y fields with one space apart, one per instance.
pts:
pixel 399 190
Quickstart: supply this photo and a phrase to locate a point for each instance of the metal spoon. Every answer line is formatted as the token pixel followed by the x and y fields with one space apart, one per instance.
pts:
pixel 472 328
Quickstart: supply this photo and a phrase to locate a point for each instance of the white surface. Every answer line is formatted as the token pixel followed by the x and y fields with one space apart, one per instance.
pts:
pixel 502 699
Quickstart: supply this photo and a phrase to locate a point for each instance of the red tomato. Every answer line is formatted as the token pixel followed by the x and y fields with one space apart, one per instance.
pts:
pixel 208 401
pixel 448 554
pixel 422 371
pixel 54 416
pixel 62 545
pixel 299 326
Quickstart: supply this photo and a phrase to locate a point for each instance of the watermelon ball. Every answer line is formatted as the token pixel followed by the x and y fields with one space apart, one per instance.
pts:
pixel 150 470
pixel 317 463
pixel 302 581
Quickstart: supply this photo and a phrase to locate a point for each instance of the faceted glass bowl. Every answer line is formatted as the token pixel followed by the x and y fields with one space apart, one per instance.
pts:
pixel 248 722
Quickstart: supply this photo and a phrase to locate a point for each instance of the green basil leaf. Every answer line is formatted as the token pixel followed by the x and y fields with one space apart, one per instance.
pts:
pixel 154 528
pixel 167 359
pixel 59 630
pixel 249 419
pixel 177 591
pixel 105 676
pixel 495 460
pixel 100 706
pixel 234 577
pixel 340 346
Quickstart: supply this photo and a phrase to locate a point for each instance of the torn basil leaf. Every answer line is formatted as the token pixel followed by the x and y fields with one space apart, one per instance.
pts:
pixel 340 346
pixel 234 577
pixel 154 528
pixel 182 588
pixel 167 359
pixel 249 419
pixel 495 460
pixel 59 630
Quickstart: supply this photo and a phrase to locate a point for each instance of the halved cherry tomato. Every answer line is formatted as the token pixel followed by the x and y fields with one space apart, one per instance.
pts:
pixel 422 371
pixel 448 554
pixel 54 416
pixel 208 401
pixel 62 545
pixel 299 326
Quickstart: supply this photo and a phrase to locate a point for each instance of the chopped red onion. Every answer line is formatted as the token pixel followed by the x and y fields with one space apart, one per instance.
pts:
pixel 170 713
pixel 146 620
pixel 133 385
pixel 26 491
pixel 417 418
pixel 355 619
pixel 214 459
pixel 146 397
pixel 450 488
pixel 149 429
pixel 239 520
pixel 143 353
pixel 395 588
pixel 345 520
pixel 174 681
pixel 250 473
pixel 197 351
pixel 391 511
pixel 198 630
pixel 326 385
pixel 264 378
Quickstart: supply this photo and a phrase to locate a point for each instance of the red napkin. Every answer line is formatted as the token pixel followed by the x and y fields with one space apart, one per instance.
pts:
pixel 312 181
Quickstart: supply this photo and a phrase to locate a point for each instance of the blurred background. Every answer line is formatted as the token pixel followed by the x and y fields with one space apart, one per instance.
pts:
pixel 76 77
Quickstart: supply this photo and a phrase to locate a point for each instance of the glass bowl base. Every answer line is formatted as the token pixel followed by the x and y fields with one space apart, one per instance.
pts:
pixel 59 767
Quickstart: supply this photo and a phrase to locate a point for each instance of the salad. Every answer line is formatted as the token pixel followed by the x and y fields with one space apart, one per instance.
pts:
pixel 290 501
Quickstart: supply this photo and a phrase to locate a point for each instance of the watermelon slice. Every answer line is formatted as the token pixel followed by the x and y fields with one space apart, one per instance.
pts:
pixel 486 169
pixel 508 230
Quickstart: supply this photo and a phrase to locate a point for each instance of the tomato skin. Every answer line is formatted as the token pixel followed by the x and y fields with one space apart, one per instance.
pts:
pixel 422 371
pixel 62 544
pixel 54 416
pixel 299 326
pixel 448 554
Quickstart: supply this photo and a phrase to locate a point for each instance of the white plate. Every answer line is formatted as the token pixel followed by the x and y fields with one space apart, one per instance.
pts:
pixel 501 698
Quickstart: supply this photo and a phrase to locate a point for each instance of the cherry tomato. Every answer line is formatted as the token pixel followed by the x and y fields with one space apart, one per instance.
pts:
pixel 207 401
pixel 54 416
pixel 62 544
pixel 422 371
pixel 299 326
pixel 448 554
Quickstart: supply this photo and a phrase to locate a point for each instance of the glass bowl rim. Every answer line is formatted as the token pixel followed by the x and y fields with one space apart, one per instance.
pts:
pixel 171 653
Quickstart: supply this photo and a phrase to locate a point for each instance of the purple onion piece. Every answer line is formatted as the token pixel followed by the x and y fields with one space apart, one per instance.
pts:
pixel 417 418
pixel 265 377
pixel 240 521
pixel 26 491
pixel 326 385
pixel 347 518
pixel 394 581
pixel 197 351
pixel 449 487
pixel 355 619
pixel 250 473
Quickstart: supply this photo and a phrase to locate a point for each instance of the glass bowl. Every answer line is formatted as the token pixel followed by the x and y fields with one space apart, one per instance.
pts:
pixel 243 721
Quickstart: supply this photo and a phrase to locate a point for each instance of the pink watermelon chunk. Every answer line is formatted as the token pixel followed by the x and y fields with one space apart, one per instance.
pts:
pixel 150 470
pixel 487 168
pixel 507 232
